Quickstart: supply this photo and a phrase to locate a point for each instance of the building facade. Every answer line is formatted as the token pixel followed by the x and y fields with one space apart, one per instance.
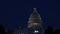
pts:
pixel 34 24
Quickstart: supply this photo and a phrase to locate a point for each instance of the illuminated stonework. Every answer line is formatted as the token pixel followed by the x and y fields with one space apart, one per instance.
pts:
pixel 35 19
pixel 35 23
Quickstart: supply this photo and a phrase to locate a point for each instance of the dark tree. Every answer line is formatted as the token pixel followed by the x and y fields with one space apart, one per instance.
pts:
pixel 57 32
pixel 49 30
pixel 2 30
pixel 10 31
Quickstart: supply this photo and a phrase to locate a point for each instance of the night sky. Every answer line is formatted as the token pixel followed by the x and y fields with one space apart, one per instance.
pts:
pixel 20 11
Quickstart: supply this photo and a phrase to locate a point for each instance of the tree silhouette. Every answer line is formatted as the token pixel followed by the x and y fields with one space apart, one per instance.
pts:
pixel 49 30
pixel 2 30
pixel 57 31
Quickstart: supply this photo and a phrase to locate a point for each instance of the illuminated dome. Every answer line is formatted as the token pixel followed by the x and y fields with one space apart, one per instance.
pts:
pixel 35 17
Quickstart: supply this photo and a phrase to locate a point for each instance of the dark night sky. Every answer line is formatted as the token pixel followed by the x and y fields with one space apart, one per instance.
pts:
pixel 19 12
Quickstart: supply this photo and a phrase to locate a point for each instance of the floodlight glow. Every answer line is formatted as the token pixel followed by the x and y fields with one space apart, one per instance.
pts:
pixel 36 31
